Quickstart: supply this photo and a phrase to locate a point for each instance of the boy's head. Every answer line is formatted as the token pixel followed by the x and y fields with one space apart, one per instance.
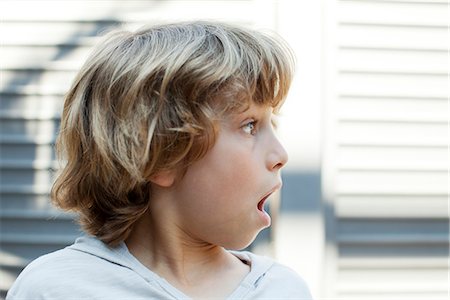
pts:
pixel 150 101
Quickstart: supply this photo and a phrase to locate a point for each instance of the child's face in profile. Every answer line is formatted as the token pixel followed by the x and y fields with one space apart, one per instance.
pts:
pixel 221 196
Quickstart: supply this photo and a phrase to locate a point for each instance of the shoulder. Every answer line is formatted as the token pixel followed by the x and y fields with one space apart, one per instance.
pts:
pixel 286 278
pixel 45 270
pixel 66 273
pixel 276 280
pixel 55 275
pixel 283 282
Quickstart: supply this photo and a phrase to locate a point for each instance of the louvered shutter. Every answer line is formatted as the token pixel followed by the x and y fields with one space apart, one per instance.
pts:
pixel 386 151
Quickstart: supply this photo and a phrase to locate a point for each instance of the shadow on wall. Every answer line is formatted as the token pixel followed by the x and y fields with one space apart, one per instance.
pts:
pixel 43 57
pixel 301 193
pixel 30 114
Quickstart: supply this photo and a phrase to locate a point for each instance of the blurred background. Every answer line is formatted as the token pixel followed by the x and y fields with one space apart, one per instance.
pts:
pixel 364 210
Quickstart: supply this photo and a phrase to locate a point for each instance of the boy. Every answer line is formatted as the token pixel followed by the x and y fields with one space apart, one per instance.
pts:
pixel 170 156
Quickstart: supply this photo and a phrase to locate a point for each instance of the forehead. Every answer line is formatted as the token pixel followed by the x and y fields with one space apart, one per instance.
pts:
pixel 254 110
pixel 235 98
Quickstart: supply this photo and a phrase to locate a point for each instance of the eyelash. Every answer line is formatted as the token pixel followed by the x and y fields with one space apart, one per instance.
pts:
pixel 252 129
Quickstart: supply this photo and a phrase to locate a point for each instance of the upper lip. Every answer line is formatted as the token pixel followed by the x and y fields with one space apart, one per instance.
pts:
pixel 266 195
pixel 272 190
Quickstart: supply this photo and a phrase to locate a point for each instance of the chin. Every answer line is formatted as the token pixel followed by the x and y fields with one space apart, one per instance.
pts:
pixel 241 244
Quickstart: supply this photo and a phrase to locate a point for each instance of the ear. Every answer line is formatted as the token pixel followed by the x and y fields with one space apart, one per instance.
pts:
pixel 163 178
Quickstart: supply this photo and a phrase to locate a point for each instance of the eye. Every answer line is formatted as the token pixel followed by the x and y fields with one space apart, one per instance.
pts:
pixel 250 127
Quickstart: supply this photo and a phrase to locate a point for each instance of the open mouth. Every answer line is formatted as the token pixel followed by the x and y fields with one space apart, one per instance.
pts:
pixel 263 200
pixel 261 203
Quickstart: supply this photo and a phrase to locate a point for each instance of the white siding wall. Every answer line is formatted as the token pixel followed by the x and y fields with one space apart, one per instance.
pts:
pixel 384 142
pixel 386 149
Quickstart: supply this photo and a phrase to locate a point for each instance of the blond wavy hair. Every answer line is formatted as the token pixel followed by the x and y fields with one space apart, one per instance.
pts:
pixel 149 101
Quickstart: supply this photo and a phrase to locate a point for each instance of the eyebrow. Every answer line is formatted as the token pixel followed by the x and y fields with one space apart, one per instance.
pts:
pixel 273 118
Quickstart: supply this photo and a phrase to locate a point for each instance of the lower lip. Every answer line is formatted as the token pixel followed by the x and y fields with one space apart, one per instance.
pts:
pixel 265 217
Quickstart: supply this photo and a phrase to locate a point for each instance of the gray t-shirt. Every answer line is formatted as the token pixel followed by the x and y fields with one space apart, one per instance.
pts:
pixel 89 269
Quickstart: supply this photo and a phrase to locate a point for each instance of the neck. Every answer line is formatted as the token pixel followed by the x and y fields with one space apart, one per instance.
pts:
pixel 167 250
pixel 161 243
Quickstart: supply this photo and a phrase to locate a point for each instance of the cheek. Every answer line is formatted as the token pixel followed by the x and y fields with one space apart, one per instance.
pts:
pixel 219 197
pixel 220 186
pixel 225 179
pixel 233 173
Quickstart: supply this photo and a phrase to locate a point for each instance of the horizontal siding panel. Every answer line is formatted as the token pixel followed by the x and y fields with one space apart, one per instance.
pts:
pixel 36 89
pixel 42 245
pixel 36 202
pixel 25 189
pixel 391 109
pixel 26 151
pixel 392 61
pixel 10 259
pixel 18 227
pixel 392 133
pixel 19 140
pixel 32 103
pixel 56 40
pixel 390 296
pixel 126 11
pixel 48 33
pixel 392 182
pixel 26 177
pixel 440 227
pixel 29 164
pixel 421 250
pixel 51 215
pixel 50 57
pixel 429 2
pixel 7 278
pixel 404 263
pixel 391 158
pixel 47 239
pixel 408 278
pixel 381 166
pixel 392 12
pixel 14 139
pixel 380 144
pixel 35 115
pixel 388 85
pixel 394 239
pixel 393 281
pixel 28 127
pixel 36 77
pixel 384 206
pixel 360 155
pixel 401 37
pixel 389 174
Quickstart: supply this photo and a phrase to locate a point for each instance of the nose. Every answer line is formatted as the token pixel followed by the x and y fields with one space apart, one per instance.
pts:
pixel 277 157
